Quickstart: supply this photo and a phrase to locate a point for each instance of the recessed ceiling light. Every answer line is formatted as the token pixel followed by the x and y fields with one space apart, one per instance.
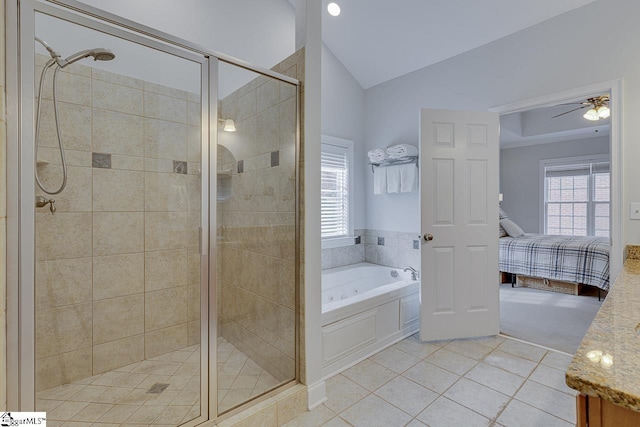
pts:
pixel 333 8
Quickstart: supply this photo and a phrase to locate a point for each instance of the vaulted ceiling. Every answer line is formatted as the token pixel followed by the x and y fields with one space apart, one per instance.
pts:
pixel 380 40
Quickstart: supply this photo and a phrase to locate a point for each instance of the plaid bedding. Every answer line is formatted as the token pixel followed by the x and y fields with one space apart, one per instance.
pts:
pixel 583 260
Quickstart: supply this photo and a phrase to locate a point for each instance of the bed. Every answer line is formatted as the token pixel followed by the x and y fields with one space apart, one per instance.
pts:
pixel 583 260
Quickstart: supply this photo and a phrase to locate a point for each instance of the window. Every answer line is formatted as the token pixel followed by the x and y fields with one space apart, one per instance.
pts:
pixel 577 197
pixel 336 178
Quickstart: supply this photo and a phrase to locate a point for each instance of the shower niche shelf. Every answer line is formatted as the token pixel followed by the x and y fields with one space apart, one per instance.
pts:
pixel 224 184
pixel 41 162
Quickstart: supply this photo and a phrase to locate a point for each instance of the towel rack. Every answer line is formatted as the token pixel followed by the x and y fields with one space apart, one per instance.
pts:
pixel 393 162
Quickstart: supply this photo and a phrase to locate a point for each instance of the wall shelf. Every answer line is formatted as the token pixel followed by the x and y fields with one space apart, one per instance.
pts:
pixel 394 162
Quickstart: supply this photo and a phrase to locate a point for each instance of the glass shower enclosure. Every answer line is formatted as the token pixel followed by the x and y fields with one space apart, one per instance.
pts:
pixel 118 283
pixel 144 299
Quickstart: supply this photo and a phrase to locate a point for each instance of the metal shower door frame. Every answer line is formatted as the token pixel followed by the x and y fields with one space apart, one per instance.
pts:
pixel 20 185
pixel 21 194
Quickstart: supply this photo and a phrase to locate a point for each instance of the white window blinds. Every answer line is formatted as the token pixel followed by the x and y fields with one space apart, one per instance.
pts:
pixel 334 191
pixel 577 199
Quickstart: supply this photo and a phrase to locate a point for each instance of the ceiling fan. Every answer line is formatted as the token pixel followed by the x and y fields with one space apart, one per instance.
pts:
pixel 599 108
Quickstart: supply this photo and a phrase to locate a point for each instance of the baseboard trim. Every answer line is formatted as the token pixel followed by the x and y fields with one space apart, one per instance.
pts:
pixel 535 345
pixel 316 394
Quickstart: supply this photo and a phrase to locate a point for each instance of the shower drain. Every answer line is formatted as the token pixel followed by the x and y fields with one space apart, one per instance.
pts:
pixel 157 388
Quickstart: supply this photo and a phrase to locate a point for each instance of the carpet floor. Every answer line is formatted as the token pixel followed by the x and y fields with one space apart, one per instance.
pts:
pixel 551 319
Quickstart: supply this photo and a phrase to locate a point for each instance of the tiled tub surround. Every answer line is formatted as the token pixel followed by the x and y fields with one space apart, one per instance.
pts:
pixel 345 255
pixel 118 269
pixel 388 248
pixel 256 223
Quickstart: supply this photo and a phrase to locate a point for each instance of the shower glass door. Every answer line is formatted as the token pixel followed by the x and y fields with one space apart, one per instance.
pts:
pixel 120 294
pixel 256 234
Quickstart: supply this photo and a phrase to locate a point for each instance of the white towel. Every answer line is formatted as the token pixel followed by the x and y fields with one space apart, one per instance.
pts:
pixel 393 179
pixel 380 181
pixel 377 155
pixel 402 150
pixel 408 178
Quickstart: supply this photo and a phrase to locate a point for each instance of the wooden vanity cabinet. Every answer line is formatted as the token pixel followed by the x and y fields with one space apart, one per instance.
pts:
pixel 597 412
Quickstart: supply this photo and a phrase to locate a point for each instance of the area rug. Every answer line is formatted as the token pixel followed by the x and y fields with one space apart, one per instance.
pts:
pixel 550 319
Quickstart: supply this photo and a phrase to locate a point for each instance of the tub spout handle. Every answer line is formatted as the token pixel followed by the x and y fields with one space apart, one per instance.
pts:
pixel 414 272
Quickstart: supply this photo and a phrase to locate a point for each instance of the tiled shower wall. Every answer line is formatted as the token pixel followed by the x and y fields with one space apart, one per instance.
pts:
pixel 389 248
pixel 256 218
pixel 117 274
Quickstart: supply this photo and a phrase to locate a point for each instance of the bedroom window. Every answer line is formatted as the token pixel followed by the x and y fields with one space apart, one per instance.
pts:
pixel 336 162
pixel 576 198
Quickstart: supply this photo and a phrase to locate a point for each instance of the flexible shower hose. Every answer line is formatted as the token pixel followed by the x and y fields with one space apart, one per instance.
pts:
pixel 55 115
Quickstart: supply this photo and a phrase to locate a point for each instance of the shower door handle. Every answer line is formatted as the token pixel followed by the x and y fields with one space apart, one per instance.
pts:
pixel 427 237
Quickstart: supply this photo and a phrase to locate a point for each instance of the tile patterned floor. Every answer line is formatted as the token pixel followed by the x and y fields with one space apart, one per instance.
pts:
pixel 493 381
pixel 239 377
pixel 120 397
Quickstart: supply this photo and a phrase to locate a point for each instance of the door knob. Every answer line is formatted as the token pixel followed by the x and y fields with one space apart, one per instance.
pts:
pixel 428 237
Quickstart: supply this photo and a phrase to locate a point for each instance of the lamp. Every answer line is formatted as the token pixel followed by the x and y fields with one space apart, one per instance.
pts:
pixel 591 114
pixel 603 111
pixel 599 108
pixel 229 125
pixel 333 8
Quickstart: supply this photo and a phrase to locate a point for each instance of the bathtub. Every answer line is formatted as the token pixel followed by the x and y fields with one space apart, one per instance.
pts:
pixel 365 308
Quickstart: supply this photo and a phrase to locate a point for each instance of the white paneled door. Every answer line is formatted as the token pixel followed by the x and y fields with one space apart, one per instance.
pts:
pixel 459 154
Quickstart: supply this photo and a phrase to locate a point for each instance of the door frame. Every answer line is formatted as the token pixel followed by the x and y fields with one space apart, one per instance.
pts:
pixel 614 88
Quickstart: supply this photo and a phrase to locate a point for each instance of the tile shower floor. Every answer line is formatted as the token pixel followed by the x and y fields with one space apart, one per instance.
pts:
pixel 239 377
pixel 120 396
pixel 493 381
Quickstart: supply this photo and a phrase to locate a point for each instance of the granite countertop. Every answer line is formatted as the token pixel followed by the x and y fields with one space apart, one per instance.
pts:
pixel 616 332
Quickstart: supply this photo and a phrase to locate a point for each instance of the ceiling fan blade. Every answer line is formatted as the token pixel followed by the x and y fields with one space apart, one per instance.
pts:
pixel 573 103
pixel 570 111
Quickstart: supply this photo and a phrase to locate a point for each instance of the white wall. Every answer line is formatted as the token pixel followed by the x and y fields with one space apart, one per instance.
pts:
pixel 260 33
pixel 520 175
pixel 343 116
pixel 553 56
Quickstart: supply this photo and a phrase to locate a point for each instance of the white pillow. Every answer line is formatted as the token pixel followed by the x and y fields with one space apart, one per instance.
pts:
pixel 502 213
pixel 511 228
pixel 502 233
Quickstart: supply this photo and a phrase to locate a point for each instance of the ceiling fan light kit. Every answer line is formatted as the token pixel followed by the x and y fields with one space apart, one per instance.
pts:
pixel 591 114
pixel 598 108
pixel 603 112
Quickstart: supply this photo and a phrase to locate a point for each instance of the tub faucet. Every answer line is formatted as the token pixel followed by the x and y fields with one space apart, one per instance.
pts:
pixel 414 272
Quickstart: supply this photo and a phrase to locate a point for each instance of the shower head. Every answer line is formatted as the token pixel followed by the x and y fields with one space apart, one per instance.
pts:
pixel 102 54
pixel 98 54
